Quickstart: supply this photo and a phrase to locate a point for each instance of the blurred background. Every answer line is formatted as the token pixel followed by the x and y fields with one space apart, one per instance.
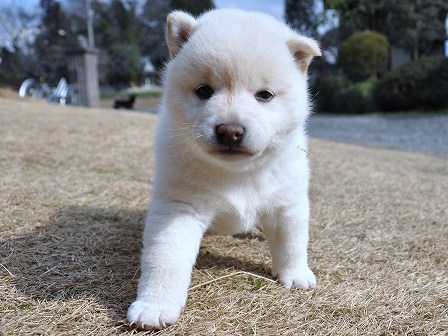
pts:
pixel 387 55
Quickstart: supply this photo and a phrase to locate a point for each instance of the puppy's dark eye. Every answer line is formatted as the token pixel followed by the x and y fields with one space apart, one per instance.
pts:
pixel 204 92
pixel 264 96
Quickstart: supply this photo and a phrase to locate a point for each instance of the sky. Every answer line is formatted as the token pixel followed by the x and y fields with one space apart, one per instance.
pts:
pixel 273 7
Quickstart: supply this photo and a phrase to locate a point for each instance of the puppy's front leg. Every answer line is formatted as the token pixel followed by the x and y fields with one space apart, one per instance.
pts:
pixel 170 246
pixel 286 231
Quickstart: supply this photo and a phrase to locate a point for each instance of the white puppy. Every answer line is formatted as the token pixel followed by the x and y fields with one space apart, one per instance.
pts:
pixel 230 152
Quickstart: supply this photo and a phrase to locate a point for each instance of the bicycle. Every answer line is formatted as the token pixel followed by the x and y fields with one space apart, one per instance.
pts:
pixel 63 93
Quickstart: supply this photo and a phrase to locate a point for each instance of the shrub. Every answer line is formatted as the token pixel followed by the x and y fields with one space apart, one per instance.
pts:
pixel 415 85
pixel 363 55
pixel 325 92
pixel 338 95
pixel 357 98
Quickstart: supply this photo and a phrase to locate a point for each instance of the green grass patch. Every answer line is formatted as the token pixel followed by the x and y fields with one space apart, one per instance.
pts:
pixel 153 92
pixel 22 306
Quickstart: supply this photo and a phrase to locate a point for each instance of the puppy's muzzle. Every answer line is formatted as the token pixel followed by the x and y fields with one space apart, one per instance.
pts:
pixel 230 135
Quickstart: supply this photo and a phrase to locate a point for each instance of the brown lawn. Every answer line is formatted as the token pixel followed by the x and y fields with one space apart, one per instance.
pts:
pixel 74 186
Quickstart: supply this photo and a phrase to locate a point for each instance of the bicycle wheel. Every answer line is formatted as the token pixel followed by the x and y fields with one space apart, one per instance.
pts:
pixel 29 88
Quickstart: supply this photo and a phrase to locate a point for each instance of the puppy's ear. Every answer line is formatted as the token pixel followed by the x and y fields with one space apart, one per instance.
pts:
pixel 303 49
pixel 180 26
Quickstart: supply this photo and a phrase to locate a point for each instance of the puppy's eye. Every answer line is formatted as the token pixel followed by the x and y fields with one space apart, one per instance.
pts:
pixel 264 96
pixel 204 92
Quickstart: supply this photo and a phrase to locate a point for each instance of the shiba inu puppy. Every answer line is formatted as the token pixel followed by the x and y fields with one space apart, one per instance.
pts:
pixel 230 152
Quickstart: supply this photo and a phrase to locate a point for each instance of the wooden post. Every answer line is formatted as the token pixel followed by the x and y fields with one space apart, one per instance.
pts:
pixel 83 72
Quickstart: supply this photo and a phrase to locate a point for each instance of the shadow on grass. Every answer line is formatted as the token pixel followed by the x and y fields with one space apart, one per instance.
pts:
pixel 91 253
pixel 208 260
pixel 240 262
pixel 80 253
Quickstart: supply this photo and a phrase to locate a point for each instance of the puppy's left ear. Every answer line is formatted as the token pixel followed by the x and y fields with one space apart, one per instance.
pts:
pixel 303 49
pixel 180 26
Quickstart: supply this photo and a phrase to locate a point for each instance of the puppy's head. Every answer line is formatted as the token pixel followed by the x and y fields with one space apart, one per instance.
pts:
pixel 236 83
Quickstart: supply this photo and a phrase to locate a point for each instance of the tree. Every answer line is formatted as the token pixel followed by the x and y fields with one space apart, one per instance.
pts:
pixel 194 7
pixel 303 16
pixel 54 39
pixel 17 60
pixel 152 39
pixel 418 26
pixel 118 30
pixel 309 18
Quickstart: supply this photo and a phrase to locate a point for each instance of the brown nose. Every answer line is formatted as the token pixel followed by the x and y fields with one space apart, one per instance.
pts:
pixel 229 134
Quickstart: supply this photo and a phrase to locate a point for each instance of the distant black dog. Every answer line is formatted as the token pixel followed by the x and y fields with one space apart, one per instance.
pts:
pixel 125 103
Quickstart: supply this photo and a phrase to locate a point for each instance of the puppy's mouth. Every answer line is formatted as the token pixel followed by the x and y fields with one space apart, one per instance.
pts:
pixel 230 152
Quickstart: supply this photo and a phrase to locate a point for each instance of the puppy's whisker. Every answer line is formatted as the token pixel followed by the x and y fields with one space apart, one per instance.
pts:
pixel 198 136
pixel 177 144
pixel 183 124
pixel 303 150
pixel 193 142
pixel 174 136
pixel 189 146
pixel 179 128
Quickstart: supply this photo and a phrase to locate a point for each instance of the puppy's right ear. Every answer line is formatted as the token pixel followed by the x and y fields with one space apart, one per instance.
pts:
pixel 180 26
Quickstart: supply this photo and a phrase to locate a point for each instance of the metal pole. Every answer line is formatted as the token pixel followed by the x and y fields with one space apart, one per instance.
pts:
pixel 89 12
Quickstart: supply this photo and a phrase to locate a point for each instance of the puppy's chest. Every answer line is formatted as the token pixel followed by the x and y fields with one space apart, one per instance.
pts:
pixel 240 211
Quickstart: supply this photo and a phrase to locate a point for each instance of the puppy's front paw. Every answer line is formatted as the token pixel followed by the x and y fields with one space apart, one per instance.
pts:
pixel 302 278
pixel 148 316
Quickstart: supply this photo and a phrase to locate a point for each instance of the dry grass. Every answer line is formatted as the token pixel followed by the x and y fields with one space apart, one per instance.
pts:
pixel 8 93
pixel 74 186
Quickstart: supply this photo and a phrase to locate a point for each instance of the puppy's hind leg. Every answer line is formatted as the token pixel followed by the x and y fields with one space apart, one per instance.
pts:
pixel 170 246
pixel 286 231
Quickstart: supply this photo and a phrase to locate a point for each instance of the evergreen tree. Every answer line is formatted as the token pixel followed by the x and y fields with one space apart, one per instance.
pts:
pixel 53 41
pixel 117 34
pixel 194 7
pixel 17 60
pixel 152 39
pixel 302 15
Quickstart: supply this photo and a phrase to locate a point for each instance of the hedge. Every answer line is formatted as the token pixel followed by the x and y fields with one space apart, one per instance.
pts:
pixel 415 85
pixel 335 94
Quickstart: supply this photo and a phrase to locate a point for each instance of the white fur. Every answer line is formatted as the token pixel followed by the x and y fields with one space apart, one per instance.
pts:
pixel 238 54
